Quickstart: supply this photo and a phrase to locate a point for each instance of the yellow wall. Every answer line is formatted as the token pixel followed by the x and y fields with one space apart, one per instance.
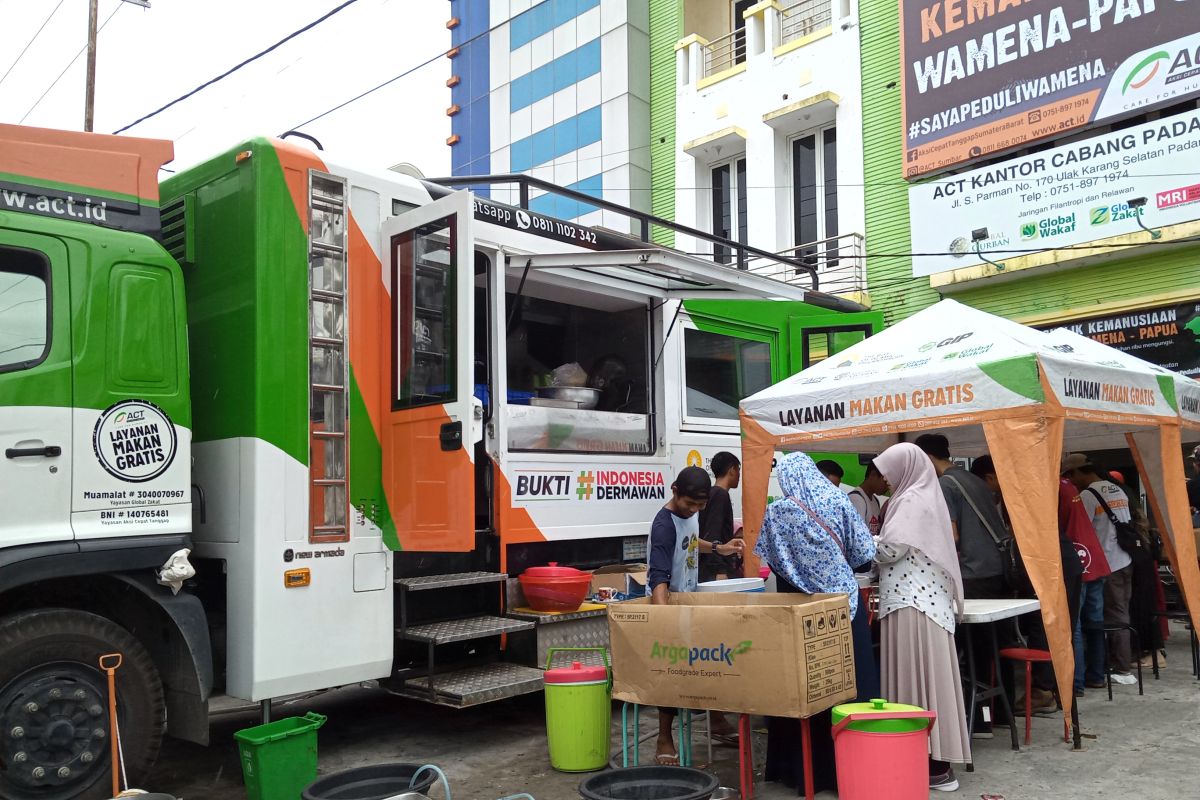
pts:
pixel 708 18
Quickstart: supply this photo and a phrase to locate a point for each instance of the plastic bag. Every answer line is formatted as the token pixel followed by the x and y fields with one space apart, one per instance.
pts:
pixel 569 375
pixel 177 570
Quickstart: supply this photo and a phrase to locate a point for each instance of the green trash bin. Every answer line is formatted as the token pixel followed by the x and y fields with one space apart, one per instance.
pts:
pixel 578 714
pixel 279 759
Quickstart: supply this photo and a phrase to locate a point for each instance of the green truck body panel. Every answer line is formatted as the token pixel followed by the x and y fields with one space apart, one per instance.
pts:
pixel 247 296
pixel 117 320
pixel 784 325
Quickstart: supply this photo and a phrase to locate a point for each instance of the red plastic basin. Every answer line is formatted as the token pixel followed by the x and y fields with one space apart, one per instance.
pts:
pixel 562 592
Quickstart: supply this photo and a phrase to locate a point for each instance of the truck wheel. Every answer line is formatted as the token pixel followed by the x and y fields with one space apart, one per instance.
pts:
pixel 54 727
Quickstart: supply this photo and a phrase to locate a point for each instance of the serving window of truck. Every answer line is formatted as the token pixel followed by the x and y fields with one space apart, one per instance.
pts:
pixel 578 368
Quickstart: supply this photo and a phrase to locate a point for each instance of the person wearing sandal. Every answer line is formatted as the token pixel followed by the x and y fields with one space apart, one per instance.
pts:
pixel 674 547
pixel 811 539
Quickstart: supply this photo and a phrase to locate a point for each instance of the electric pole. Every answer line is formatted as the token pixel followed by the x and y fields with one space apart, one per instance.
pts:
pixel 89 100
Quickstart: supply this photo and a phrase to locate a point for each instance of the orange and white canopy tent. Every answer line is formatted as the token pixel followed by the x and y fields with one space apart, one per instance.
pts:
pixel 992 386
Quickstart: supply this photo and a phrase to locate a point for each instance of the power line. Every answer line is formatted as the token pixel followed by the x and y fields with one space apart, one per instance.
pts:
pixel 82 50
pixel 31 41
pixel 403 74
pixel 234 69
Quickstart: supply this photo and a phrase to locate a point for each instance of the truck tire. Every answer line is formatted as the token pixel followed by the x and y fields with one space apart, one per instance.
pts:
pixel 54 706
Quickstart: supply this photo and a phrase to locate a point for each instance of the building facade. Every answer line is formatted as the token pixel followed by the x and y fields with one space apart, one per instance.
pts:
pixel 1039 165
pixel 556 89
pixel 768 124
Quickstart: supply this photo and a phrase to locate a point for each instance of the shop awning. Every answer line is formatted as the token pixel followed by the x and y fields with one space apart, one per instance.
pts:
pixel 667 274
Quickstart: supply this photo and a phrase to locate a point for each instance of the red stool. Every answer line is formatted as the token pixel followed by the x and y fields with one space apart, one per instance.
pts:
pixel 1031 657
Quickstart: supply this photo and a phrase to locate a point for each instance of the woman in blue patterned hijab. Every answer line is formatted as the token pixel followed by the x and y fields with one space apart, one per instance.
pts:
pixel 811 538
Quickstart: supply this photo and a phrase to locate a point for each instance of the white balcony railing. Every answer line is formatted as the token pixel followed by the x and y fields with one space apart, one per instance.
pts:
pixel 803 18
pixel 724 53
pixel 840 262
pixel 767 33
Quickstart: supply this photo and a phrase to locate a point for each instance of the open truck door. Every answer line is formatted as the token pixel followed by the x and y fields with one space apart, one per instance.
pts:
pixel 428 473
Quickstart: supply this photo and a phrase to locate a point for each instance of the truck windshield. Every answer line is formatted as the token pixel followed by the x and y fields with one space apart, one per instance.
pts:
pixel 578 374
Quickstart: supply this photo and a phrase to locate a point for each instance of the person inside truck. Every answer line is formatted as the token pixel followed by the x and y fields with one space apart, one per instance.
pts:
pixel 674 548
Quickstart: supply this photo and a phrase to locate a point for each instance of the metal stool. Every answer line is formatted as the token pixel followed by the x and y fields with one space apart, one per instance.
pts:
pixel 1179 615
pixel 1135 646
pixel 684 719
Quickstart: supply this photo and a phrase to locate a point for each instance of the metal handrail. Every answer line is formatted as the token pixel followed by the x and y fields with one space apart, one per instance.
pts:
pixel 524 183
pixel 805 17
pixel 724 52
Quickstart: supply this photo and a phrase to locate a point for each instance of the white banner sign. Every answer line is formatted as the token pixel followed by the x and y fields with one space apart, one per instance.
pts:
pixel 1067 196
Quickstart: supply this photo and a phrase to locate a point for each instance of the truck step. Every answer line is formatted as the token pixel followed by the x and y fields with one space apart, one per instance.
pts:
pixel 424 583
pixel 475 685
pixel 461 630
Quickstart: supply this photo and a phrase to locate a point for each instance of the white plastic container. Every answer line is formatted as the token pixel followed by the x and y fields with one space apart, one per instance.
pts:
pixel 733 585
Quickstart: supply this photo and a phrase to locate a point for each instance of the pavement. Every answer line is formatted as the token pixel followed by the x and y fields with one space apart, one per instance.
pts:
pixel 1135 746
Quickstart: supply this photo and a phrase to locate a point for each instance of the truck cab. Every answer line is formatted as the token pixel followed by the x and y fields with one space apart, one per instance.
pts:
pixel 95 431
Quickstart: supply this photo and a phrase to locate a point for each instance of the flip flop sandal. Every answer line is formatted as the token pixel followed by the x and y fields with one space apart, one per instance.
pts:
pixel 666 760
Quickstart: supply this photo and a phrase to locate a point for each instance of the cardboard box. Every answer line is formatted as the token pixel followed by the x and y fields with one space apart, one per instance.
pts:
pixel 784 655
pixel 619 577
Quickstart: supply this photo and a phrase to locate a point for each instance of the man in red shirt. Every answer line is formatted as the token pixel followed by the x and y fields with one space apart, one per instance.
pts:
pixel 1073 519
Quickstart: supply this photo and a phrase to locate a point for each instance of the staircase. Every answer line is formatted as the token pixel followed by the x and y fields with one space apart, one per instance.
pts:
pixel 433 630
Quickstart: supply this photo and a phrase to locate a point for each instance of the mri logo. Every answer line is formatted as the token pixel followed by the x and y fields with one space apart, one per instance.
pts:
pixel 1144 71
pixel 585 486
pixel 694 459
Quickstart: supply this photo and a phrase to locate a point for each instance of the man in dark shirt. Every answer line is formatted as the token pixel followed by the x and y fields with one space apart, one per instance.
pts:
pixel 716 520
pixel 979 556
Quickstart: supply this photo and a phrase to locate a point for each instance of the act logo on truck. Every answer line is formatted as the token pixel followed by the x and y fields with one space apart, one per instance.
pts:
pixel 134 440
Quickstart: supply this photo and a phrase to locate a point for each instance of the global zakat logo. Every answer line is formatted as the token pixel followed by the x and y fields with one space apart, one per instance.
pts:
pixel 135 441
pixel 716 654
pixel 1102 215
pixel 1144 71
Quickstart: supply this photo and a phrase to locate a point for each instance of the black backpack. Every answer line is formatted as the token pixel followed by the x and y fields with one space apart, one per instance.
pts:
pixel 1128 538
